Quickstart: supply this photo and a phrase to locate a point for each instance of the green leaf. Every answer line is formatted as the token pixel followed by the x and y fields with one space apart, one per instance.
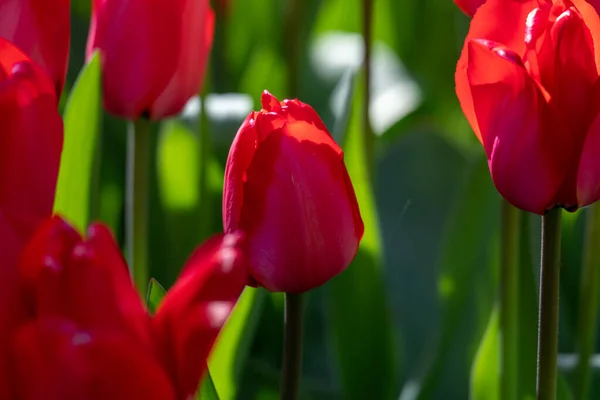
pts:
pixel 472 222
pixel 77 180
pixel 358 309
pixel 528 312
pixel 178 166
pixel 155 295
pixel 207 389
pixel 485 373
pixel 232 347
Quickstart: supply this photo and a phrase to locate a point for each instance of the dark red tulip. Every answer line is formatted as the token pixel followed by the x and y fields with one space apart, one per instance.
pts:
pixel 83 332
pixel 527 81
pixel 153 58
pixel 30 147
pixel 42 30
pixel 287 188
pixel 469 6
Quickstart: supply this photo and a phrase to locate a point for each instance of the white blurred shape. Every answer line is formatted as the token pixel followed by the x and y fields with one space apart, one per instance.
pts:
pixel 220 106
pixel 394 94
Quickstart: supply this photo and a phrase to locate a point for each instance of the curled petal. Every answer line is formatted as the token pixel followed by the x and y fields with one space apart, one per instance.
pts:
pixel 500 21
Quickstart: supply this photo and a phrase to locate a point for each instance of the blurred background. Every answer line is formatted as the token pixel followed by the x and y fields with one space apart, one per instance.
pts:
pixel 415 316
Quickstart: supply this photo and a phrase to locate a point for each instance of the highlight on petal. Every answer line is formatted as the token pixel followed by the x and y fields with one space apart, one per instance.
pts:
pixel 510 111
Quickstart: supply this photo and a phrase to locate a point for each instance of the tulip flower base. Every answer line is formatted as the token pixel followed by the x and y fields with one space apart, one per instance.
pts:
pixel 548 313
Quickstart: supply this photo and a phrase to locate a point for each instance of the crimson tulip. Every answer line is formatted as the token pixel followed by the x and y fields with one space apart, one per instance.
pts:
pixel 82 331
pixel 41 29
pixel 30 148
pixel 527 81
pixel 287 188
pixel 153 58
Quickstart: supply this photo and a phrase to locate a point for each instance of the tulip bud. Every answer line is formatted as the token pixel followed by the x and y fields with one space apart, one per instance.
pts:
pixel 287 188
pixel 82 328
pixel 153 57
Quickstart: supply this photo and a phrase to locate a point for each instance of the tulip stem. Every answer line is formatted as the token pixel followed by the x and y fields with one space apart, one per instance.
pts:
pixel 136 213
pixel 588 300
pixel 548 313
pixel 294 46
pixel 509 300
pixel 292 347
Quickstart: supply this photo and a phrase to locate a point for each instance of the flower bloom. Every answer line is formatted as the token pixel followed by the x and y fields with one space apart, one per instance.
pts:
pixel 81 331
pixel 527 81
pixel 42 30
pixel 153 58
pixel 287 188
pixel 31 137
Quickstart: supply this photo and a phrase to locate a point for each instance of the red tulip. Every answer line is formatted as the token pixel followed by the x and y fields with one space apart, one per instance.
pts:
pixel 287 188
pixel 527 81
pixel 469 6
pixel 83 331
pixel 30 147
pixel 42 29
pixel 154 58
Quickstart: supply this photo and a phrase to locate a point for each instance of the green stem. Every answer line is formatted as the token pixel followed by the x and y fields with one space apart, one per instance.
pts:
pixel 204 155
pixel 588 300
pixel 293 45
pixel 509 301
pixel 548 313
pixel 368 136
pixel 292 347
pixel 136 213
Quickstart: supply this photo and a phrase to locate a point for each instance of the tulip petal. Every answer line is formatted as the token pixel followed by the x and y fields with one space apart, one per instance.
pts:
pixel 139 51
pixel 239 159
pixel 590 11
pixel 570 114
pixel 510 109
pixel 588 172
pixel 42 267
pixel 197 29
pixel 501 21
pixel 196 307
pixel 98 289
pixel 54 360
pixel 30 147
pixel 84 281
pixel 41 29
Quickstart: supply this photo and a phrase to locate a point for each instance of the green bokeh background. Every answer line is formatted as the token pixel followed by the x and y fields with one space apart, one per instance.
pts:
pixel 414 316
